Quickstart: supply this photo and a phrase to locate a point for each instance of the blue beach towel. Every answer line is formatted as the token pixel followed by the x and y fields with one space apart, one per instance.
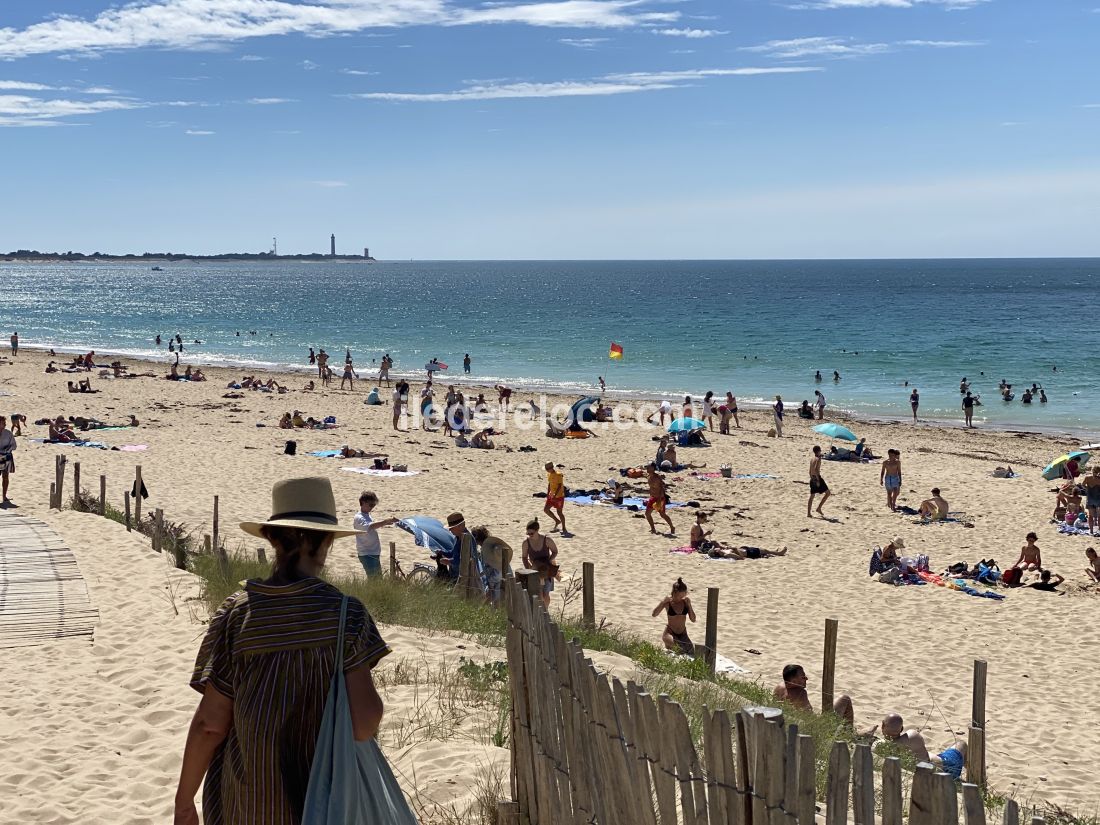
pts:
pixel 326 453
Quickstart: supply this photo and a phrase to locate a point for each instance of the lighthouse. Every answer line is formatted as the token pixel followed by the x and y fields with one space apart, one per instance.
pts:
pixel 332 245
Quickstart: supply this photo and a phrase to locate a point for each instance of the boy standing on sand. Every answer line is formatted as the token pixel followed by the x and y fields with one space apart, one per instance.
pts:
pixel 890 478
pixel 555 498
pixel 658 498
pixel 367 544
pixel 817 484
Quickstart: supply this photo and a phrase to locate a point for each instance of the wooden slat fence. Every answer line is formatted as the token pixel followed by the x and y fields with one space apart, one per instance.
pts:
pixel 589 750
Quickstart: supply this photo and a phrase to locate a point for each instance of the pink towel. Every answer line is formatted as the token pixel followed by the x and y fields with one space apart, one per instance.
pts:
pixel 686 550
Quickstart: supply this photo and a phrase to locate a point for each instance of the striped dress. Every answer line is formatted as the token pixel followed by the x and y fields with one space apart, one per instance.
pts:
pixel 271 649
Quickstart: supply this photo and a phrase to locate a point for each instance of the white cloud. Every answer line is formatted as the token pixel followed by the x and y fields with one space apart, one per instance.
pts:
pixel 817 47
pixel 195 24
pixel 694 34
pixel 200 132
pixel 843 47
pixel 251 58
pixel 20 86
pixel 357 72
pixel 24 110
pixel 270 101
pixel 583 42
pixel 892 4
pixel 331 184
pixel 612 84
pixel 309 65
pixel 1090 105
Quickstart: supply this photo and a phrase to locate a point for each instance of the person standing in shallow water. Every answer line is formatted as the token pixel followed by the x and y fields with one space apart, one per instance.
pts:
pixel 466 364
pixel 264 671
pixel 914 402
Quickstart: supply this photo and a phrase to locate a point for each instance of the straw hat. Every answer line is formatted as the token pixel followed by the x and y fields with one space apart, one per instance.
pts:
pixel 305 503
pixel 898 542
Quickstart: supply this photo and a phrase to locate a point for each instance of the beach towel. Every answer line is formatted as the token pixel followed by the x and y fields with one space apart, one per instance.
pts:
pixel 72 443
pixel 686 550
pixel 960 585
pixel 743 476
pixel 728 666
pixel 371 471
pixel 629 502
pixel 1070 530
pixel 326 453
pixel 132 448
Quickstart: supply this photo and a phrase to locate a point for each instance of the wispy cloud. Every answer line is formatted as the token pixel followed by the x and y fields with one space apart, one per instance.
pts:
pixel 612 84
pixel 583 42
pixel 357 72
pixel 24 110
pixel 199 132
pixel 953 5
pixel 331 184
pixel 844 47
pixel 309 65
pixel 270 101
pixel 20 86
pixel 251 58
pixel 694 34
pixel 1090 105
pixel 195 24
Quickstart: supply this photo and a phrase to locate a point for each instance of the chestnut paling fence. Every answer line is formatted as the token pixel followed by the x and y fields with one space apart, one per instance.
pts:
pixel 588 749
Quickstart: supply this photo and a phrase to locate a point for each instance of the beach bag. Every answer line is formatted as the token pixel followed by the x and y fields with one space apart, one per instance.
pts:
pixel 1011 577
pixel 350 782
pixel 291 448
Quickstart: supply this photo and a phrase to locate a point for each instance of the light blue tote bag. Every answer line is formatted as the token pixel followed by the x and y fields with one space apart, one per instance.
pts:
pixel 350 782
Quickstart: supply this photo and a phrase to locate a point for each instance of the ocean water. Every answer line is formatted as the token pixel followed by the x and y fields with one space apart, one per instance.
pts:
pixel 754 327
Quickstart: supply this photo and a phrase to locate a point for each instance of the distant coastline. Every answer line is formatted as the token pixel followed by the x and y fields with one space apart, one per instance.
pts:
pixel 35 257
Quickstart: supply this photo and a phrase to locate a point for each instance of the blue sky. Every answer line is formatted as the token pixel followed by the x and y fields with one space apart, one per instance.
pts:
pixel 558 129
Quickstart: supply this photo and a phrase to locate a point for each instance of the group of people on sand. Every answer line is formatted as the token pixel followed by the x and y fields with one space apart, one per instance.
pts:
pixel 295 420
pixel 1078 503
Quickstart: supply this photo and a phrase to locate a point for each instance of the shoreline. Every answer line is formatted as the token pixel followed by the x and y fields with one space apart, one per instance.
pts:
pixel 560 391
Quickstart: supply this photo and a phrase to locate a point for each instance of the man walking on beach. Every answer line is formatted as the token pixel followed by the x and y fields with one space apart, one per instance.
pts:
pixel 466 364
pixel 890 477
pixel 15 343
pixel 658 499
pixel 817 484
pixel 555 498
pixel 968 409
pixel 322 362
pixel 820 405
pixel 777 412
pixel 367 544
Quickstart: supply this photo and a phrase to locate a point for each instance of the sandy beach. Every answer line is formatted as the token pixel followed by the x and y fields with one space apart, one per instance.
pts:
pixel 95 732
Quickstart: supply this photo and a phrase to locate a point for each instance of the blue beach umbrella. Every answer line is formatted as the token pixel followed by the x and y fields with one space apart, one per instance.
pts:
pixel 428 532
pixel 577 412
pixel 1054 470
pixel 686 425
pixel 835 431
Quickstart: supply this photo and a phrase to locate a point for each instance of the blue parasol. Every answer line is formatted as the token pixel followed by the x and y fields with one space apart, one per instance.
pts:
pixel 686 425
pixel 577 413
pixel 1054 470
pixel 429 532
pixel 836 431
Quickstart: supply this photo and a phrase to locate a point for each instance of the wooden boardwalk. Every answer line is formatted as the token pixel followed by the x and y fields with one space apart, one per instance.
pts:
pixel 42 594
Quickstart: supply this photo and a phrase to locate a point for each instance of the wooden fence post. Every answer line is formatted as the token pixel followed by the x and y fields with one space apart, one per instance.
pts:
pixel 891 791
pixel 529 581
pixel 836 791
pixel 711 639
pixel 103 495
pixel 973 809
pixel 863 786
pixel 219 550
pixel 76 479
pixel 59 480
pixel 921 793
pixel 507 813
pixel 53 495
pixel 215 529
pixel 126 506
pixel 137 495
pixel 393 574
pixel 158 526
pixel 828 668
pixel 588 594
pixel 261 555
pixel 945 801
pixel 1012 812
pixel 975 751
pixel 807 781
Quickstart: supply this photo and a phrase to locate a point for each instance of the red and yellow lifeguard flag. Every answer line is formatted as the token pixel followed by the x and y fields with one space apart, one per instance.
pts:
pixel 616 351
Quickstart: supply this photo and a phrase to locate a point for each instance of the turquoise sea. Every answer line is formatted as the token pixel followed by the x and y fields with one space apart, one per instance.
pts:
pixel 754 327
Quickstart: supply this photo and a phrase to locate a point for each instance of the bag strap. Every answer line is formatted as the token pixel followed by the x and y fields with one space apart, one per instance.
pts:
pixel 338 669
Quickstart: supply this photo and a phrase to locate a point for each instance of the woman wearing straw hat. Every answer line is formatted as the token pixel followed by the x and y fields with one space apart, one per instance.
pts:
pixel 264 671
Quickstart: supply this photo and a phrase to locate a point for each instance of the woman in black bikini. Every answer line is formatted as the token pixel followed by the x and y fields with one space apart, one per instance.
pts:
pixel 539 552
pixel 679 610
